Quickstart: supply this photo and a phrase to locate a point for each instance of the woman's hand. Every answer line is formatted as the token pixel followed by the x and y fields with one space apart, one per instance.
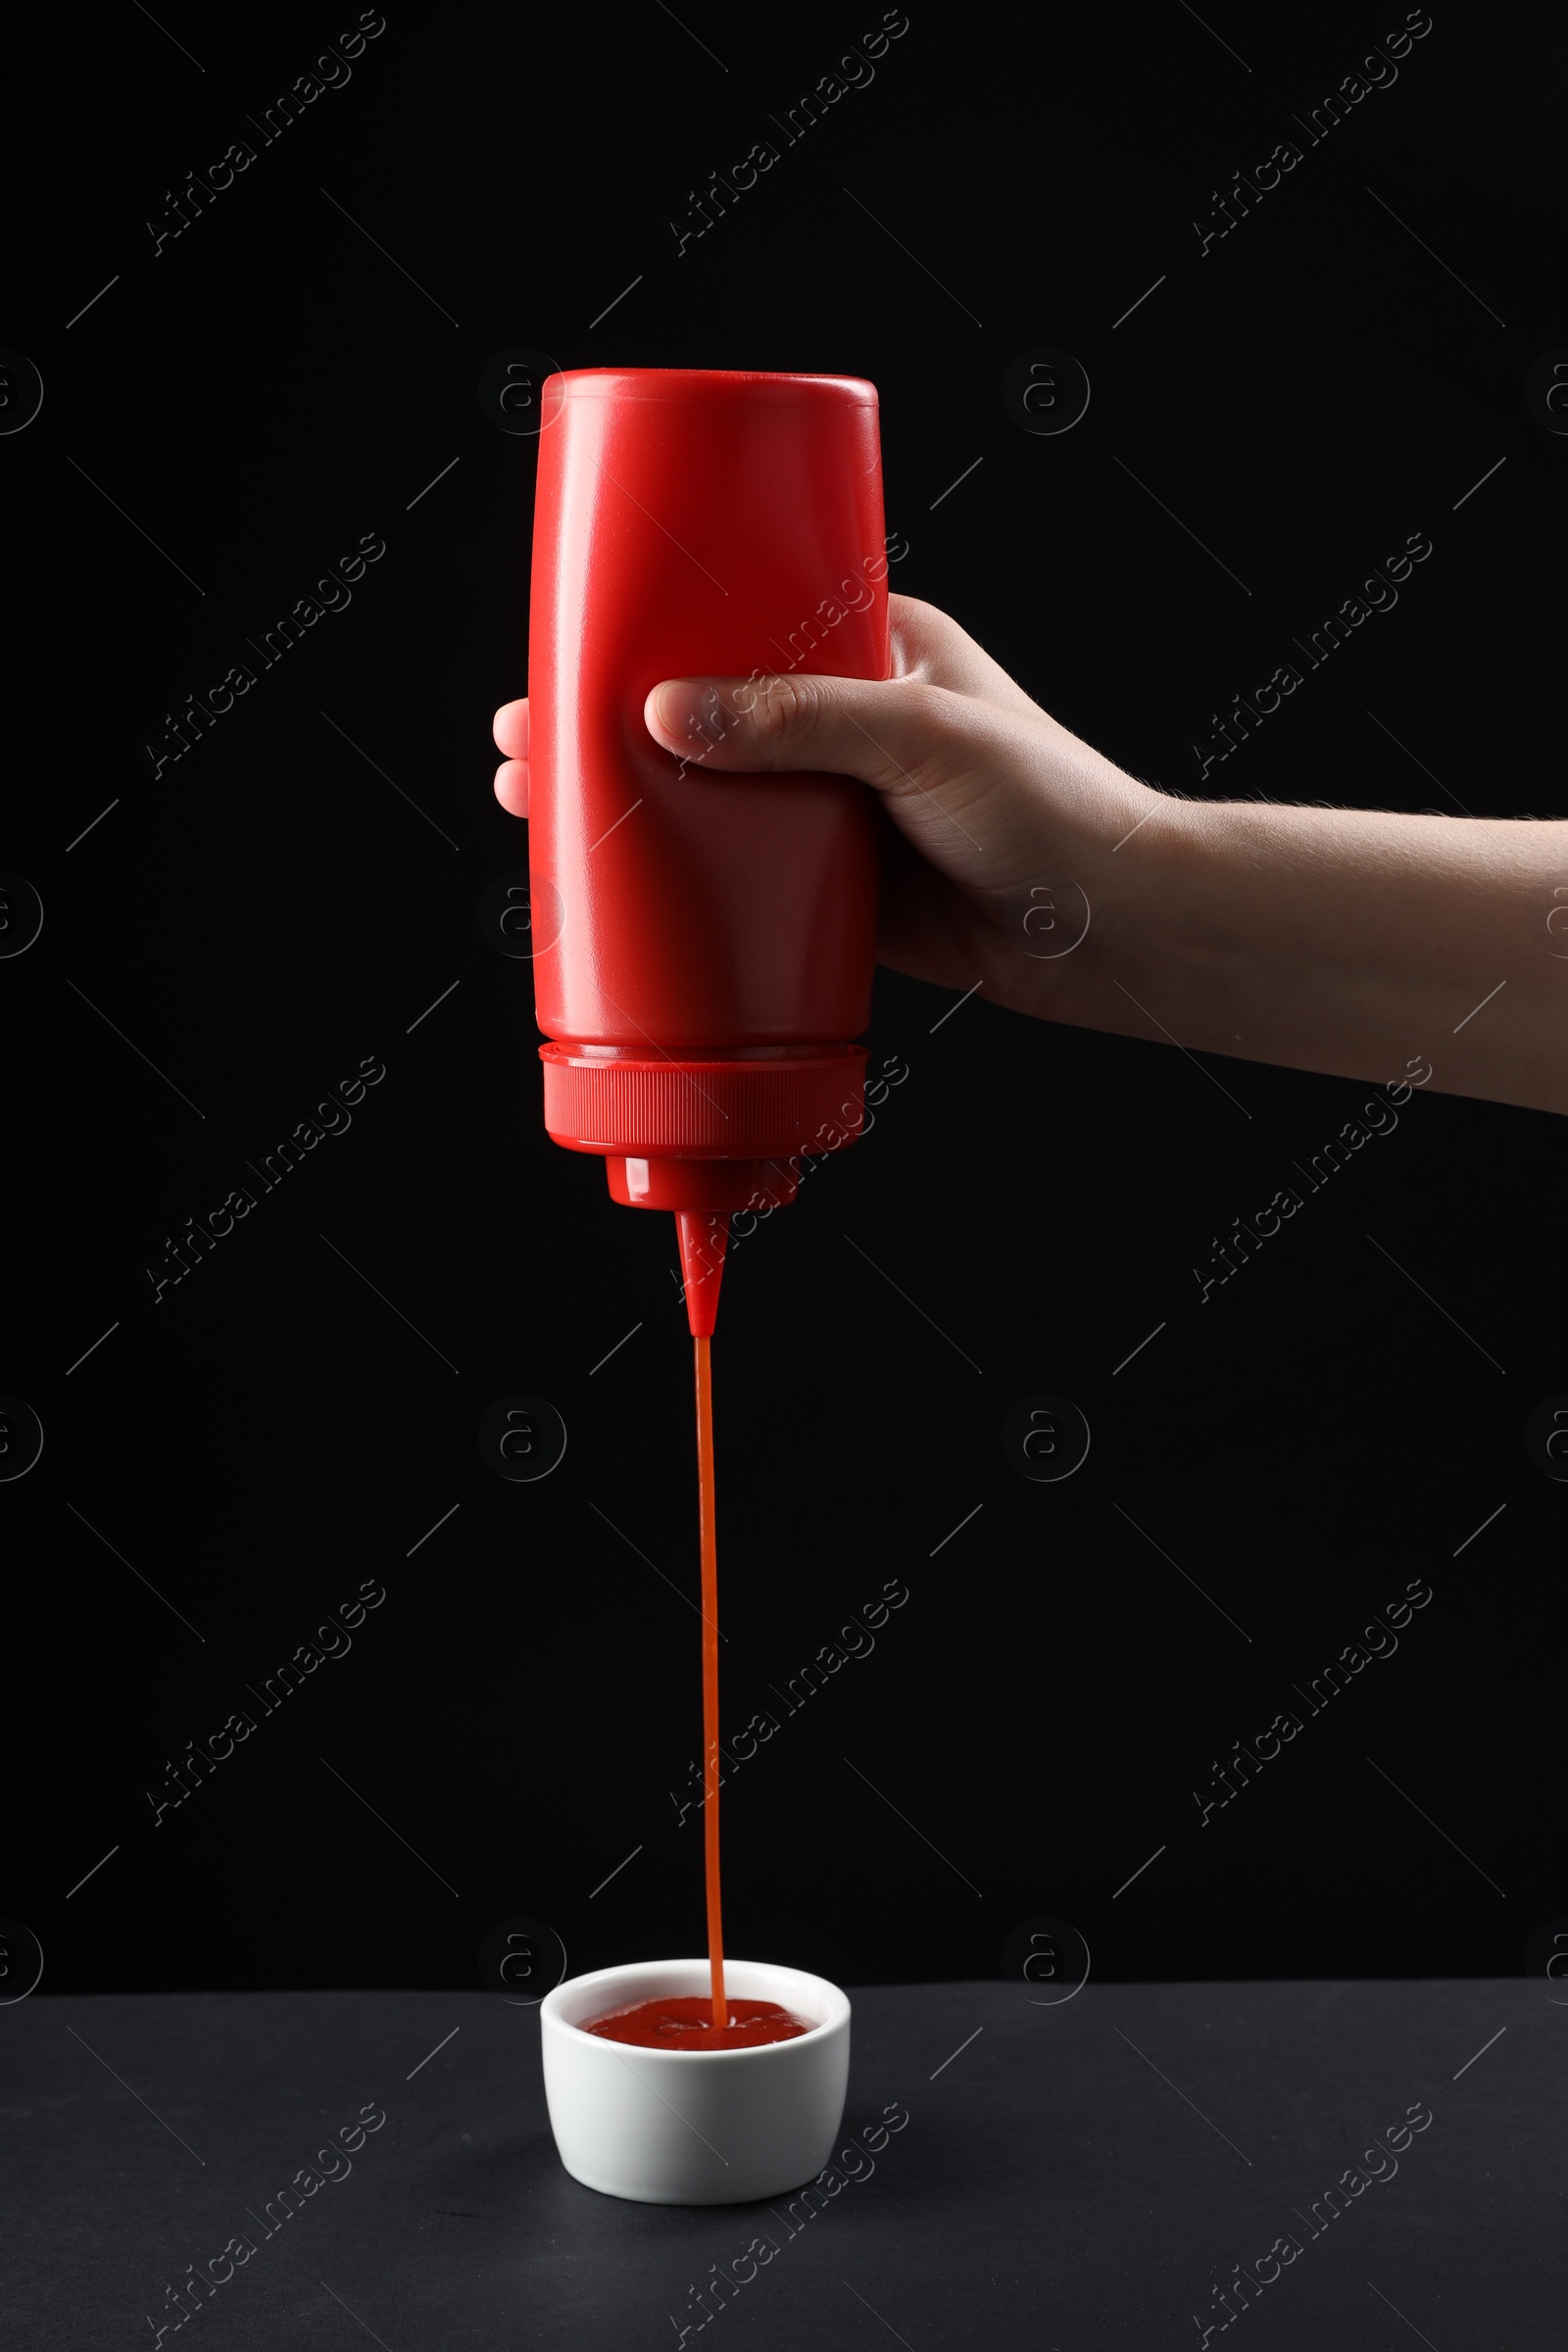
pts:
pixel 1024 867
pixel 1003 825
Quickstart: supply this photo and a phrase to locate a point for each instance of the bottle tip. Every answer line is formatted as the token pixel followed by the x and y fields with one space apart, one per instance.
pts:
pixel 704 1240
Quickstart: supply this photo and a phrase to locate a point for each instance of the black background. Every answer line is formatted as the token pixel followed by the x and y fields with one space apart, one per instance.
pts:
pixel 268 910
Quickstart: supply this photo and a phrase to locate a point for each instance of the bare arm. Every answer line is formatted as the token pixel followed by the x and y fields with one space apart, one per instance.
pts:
pixel 1351 941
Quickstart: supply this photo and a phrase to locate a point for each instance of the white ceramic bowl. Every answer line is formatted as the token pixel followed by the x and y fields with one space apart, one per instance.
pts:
pixel 694 2126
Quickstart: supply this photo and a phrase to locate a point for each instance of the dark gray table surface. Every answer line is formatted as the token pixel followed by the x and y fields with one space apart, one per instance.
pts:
pixel 1076 2177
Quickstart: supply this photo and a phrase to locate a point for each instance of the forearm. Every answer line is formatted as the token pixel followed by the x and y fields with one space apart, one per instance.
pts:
pixel 1344 941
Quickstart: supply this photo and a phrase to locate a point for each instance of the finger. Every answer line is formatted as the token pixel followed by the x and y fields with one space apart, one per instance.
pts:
pixel 878 730
pixel 939 761
pixel 511 729
pixel 971 785
pixel 512 786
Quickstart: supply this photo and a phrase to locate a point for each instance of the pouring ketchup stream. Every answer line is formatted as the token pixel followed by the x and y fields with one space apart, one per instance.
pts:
pixel 702 1344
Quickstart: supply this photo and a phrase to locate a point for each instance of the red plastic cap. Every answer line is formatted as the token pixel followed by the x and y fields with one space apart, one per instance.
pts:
pixel 704 1240
pixel 745 1106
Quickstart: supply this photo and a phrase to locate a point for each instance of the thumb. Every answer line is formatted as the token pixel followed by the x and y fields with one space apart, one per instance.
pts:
pixel 955 774
pixel 885 732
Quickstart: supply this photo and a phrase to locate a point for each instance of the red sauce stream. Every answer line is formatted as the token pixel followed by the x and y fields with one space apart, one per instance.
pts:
pixel 694 2021
pixel 709 1547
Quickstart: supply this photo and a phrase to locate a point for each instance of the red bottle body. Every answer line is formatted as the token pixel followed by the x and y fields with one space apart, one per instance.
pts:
pixel 706 941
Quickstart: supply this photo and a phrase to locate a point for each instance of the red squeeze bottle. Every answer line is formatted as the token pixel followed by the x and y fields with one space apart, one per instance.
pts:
pixel 707 941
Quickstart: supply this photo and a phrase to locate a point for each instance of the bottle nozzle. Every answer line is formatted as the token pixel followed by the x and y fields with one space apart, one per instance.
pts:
pixel 704 1240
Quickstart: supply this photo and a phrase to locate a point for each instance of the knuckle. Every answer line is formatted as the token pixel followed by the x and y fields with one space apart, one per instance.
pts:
pixel 787 710
pixel 930 616
pixel 924 708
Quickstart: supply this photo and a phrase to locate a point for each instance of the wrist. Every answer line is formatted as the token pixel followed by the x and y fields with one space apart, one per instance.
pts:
pixel 1158 893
